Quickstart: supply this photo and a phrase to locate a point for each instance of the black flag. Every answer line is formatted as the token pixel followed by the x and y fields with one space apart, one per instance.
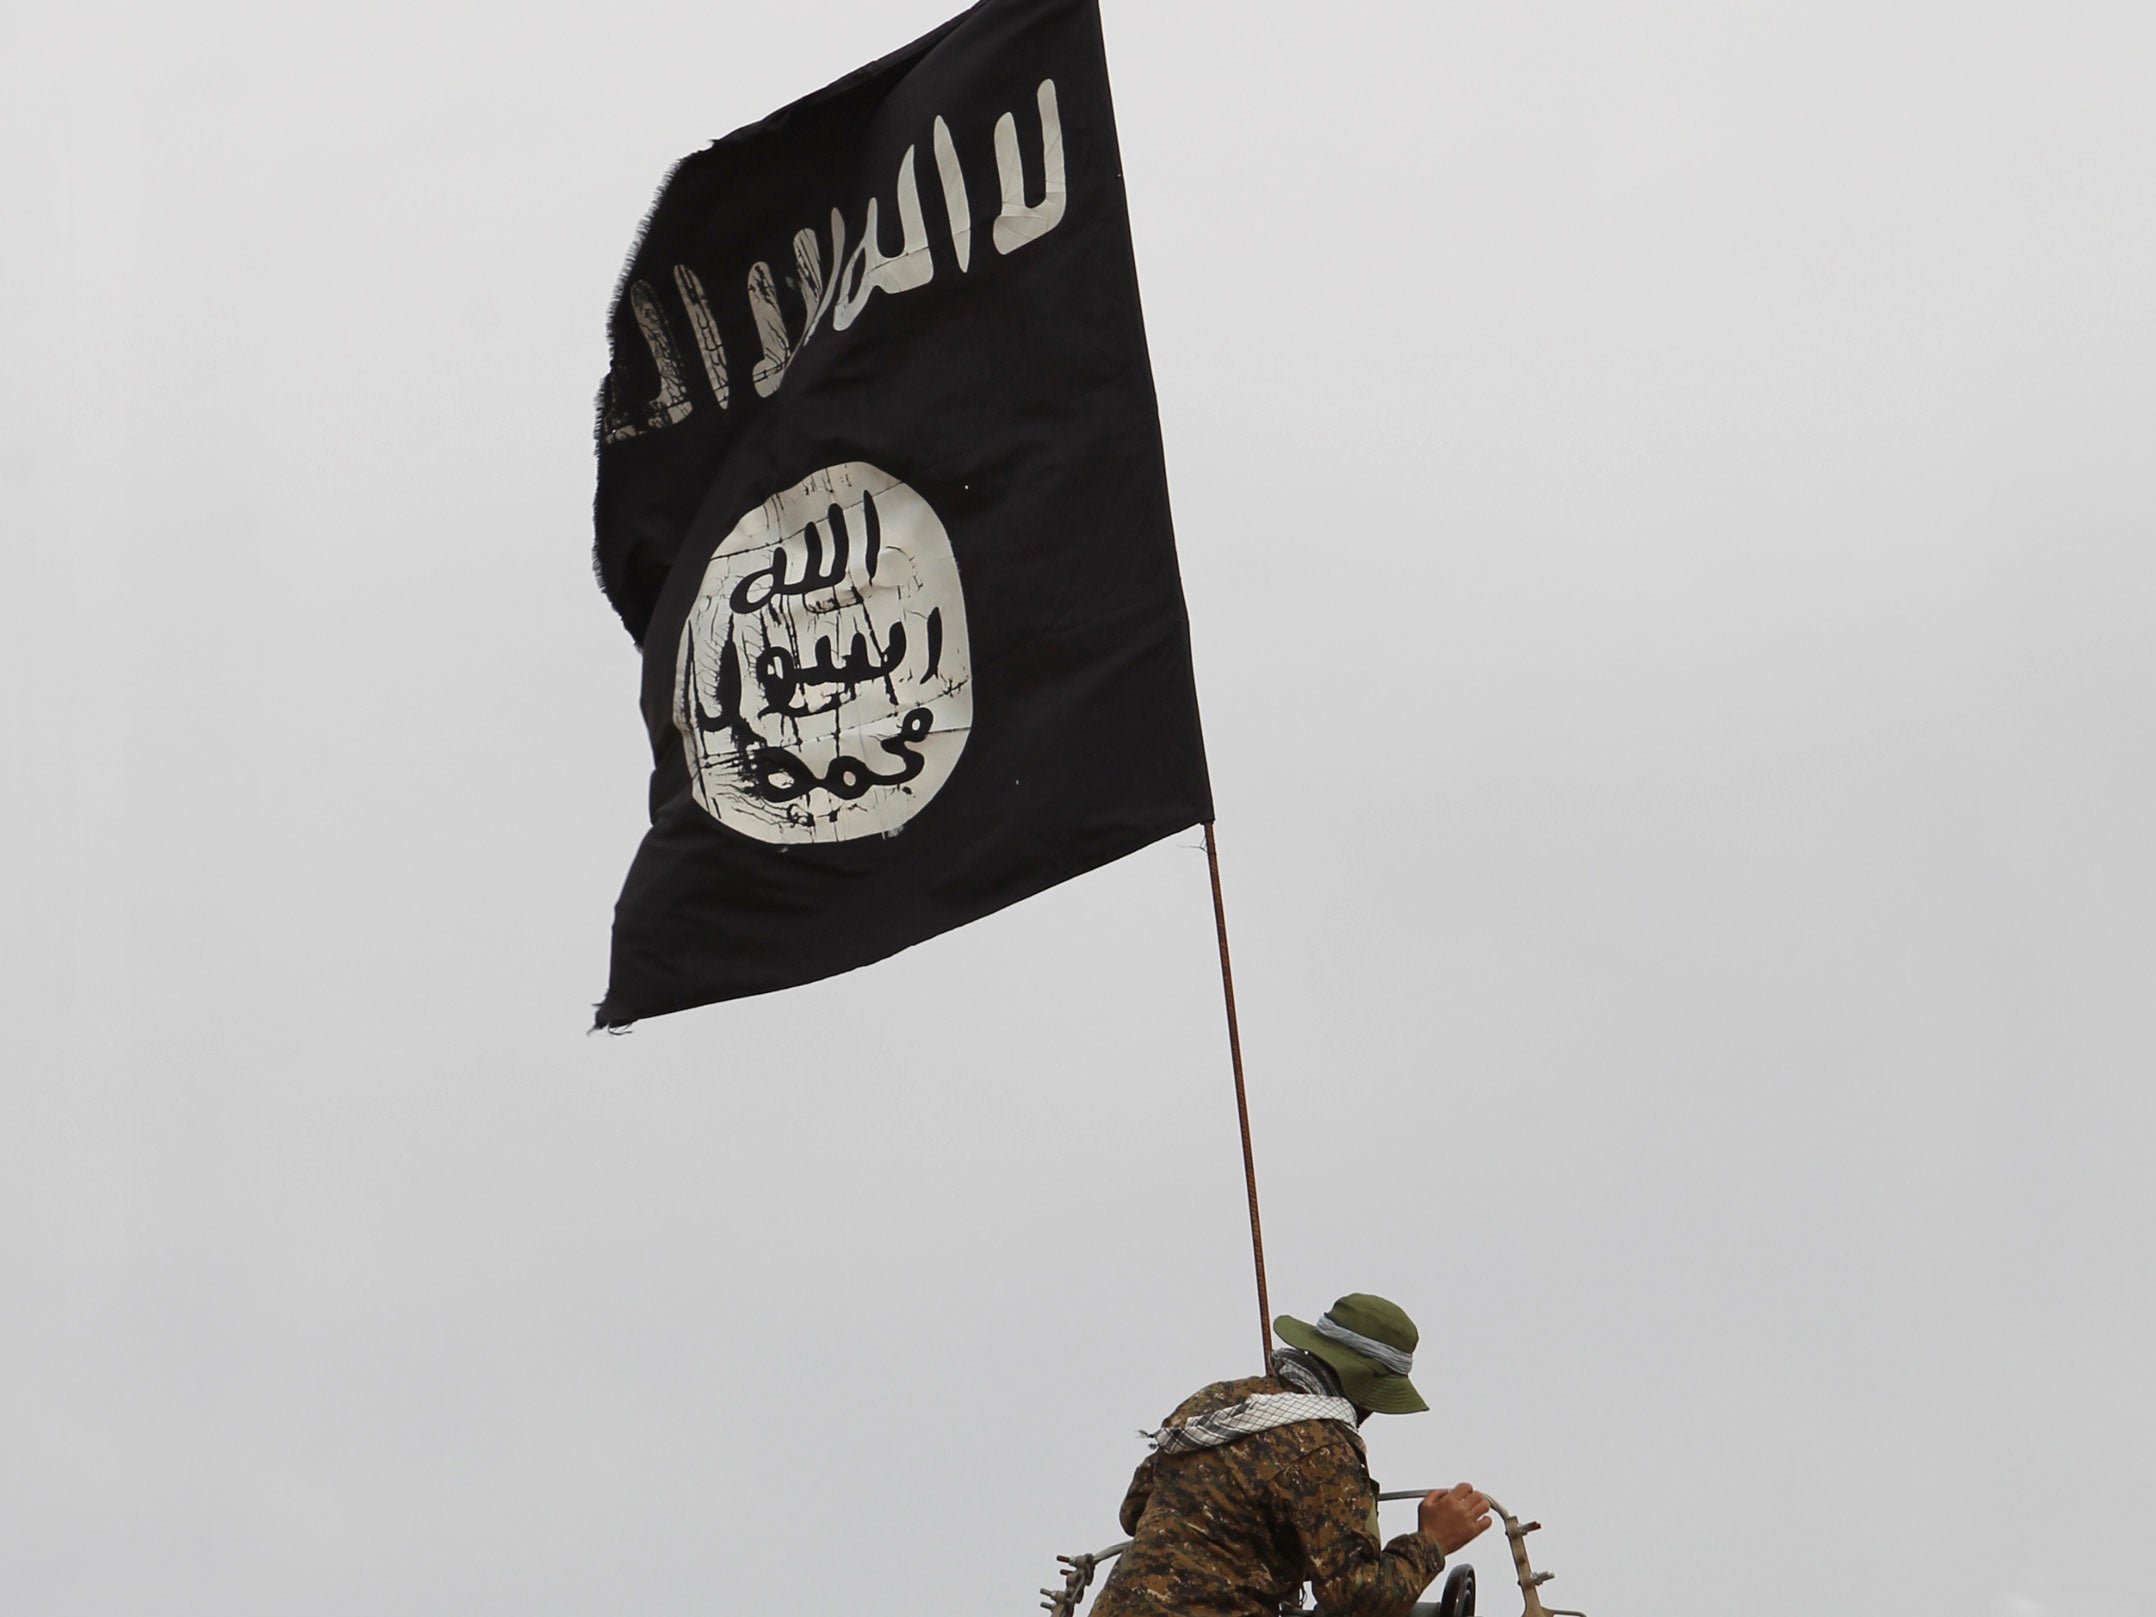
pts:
pixel 882 499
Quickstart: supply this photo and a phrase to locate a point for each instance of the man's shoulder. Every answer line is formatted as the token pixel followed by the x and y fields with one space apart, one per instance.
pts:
pixel 1328 1443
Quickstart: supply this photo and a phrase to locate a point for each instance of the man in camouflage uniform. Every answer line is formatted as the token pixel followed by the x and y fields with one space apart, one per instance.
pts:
pixel 1257 1487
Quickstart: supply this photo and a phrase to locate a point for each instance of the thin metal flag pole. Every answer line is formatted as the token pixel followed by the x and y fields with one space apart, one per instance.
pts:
pixel 1242 1103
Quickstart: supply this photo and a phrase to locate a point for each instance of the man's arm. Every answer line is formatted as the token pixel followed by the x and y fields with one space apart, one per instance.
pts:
pixel 1333 1509
pixel 1335 1520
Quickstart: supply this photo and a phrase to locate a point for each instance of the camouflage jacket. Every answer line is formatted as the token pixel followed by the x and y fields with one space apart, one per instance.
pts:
pixel 1233 1531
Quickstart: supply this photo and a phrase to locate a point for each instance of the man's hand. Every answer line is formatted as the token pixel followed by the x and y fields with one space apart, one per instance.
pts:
pixel 1452 1516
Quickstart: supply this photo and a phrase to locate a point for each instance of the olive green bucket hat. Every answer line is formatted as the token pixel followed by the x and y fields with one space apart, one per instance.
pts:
pixel 1370 1343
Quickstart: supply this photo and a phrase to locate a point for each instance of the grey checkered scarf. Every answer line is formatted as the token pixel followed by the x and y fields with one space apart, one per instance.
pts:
pixel 1318 1398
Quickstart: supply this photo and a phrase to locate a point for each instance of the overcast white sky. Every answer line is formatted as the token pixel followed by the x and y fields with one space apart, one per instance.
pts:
pixel 1695 944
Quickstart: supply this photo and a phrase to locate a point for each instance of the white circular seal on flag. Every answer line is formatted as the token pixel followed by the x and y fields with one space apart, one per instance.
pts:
pixel 824 687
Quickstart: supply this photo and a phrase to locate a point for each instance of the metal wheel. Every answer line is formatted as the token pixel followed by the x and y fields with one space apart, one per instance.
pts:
pixel 1458 1600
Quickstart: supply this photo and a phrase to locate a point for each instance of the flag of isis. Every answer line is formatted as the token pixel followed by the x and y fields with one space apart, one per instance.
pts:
pixel 881 498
